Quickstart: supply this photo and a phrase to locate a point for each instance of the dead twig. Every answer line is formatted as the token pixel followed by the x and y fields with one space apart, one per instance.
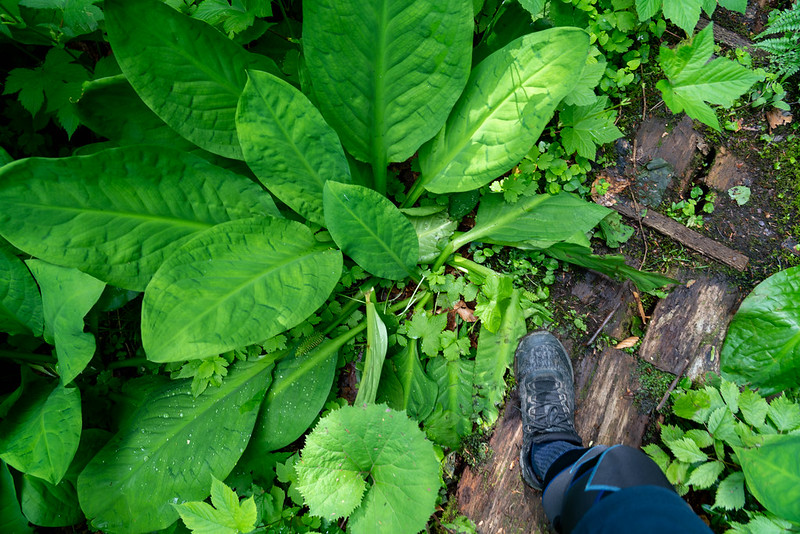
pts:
pixel 673 385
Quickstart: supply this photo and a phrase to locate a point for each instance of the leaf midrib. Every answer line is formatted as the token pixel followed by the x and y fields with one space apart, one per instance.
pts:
pixel 376 237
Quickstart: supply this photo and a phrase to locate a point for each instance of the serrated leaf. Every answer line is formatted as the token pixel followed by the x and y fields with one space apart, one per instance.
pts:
pixel 772 472
pixel 647 8
pixel 187 72
pixel 234 285
pixel 701 437
pixel 721 425
pixel 730 493
pixel 692 404
pixel 287 144
pixel 762 346
pixel 671 433
pixel 301 384
pixel 692 82
pixel 734 5
pixel 509 98
pixel 20 302
pixel 784 413
pixel 534 7
pixel 754 408
pixel 353 442
pixel 42 431
pixel 405 386
pixel 658 455
pixel 433 231
pixel 371 230
pixel 428 329
pixel 118 213
pixel 704 476
pixel 583 94
pixel 730 393
pixel 172 446
pixel 677 473
pixel 401 71
pixel 451 419
pixel 586 127
pixel 375 354
pixel 67 296
pixel 684 13
pixel 686 450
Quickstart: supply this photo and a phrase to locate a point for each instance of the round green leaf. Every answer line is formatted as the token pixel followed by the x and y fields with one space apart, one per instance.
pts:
pixel 288 144
pixel 118 213
pixel 187 72
pixel 236 284
pixel 371 230
pixel 762 347
pixel 169 450
pixel 42 431
pixel 383 446
pixel 509 99
pixel 772 472
pixel 387 72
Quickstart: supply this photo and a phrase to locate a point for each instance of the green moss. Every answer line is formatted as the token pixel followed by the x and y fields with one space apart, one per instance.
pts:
pixel 653 384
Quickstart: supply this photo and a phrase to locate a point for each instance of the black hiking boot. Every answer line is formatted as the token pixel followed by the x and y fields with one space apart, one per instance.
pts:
pixel 547 396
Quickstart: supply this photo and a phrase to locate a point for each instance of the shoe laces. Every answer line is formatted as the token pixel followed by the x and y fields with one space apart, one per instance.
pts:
pixel 547 405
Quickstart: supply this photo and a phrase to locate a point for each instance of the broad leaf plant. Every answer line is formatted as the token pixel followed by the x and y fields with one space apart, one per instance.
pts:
pixel 240 204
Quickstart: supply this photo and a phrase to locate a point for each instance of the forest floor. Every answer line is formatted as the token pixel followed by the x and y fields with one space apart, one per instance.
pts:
pixel 618 390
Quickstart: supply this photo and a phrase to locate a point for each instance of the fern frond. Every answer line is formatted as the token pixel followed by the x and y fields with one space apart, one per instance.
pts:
pixel 787 20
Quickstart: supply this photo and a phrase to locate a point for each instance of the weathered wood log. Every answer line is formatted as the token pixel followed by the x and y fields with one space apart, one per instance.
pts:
pixel 690 323
pixel 681 233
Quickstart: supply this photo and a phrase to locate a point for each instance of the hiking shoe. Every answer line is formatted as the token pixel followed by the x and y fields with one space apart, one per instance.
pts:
pixel 546 395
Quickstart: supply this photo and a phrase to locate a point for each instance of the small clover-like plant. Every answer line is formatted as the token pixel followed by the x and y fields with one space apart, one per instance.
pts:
pixel 372 464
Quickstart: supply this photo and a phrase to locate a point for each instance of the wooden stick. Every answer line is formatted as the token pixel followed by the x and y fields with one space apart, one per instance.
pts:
pixel 679 232
pixel 673 385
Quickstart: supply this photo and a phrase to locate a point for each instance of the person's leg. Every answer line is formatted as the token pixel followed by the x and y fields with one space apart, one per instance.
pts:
pixel 576 479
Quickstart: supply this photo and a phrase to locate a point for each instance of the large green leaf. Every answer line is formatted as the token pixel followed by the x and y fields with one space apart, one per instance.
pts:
pixel 508 100
pixel 67 296
pixel 48 505
pixel 762 347
pixel 610 264
pixel 187 72
pixel 11 518
pixel 451 419
pixel 111 108
pixel 42 431
pixel 377 344
pixel 20 302
pixel 300 387
pixel 169 451
pixel 371 230
pixel 538 220
pixel 288 144
pixel 405 386
pixel 117 214
pixel 382 445
pixel 495 356
pixel 236 284
pixel 387 72
pixel 693 81
pixel 772 472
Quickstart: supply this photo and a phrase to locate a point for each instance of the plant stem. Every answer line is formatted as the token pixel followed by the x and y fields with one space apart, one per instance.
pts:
pixel 416 191
pixel 27 357
pixel 460 262
pixel 379 174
